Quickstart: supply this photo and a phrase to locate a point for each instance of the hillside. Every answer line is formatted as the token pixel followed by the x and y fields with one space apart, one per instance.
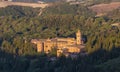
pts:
pixel 19 11
pixel 25 1
pixel 109 66
pixel 64 8
pixel 20 24
pixel 34 1
pixel 102 9
pixel 115 14
pixel 34 5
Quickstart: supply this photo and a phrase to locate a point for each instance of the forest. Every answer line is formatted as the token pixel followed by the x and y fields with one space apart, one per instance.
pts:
pixel 18 25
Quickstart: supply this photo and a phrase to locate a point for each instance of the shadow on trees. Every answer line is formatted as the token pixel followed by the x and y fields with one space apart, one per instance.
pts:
pixel 42 63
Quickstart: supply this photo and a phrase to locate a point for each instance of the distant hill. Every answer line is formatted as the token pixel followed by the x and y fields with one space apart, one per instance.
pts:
pixel 102 9
pixel 34 5
pixel 19 11
pixel 65 8
pixel 34 0
pixel 25 0
pixel 86 1
pixel 115 14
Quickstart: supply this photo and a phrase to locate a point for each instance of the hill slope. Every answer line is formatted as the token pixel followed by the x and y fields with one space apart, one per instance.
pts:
pixel 110 66
pixel 104 8
pixel 19 11
pixel 34 5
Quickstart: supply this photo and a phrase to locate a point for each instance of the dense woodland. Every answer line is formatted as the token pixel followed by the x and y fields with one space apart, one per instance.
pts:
pixel 18 25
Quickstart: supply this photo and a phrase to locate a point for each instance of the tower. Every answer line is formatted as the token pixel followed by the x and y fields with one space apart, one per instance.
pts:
pixel 78 37
pixel 40 47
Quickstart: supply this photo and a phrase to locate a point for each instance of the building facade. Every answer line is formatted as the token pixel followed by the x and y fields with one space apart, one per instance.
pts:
pixel 63 45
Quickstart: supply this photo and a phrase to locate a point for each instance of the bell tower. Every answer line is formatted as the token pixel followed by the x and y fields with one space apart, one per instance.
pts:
pixel 78 37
